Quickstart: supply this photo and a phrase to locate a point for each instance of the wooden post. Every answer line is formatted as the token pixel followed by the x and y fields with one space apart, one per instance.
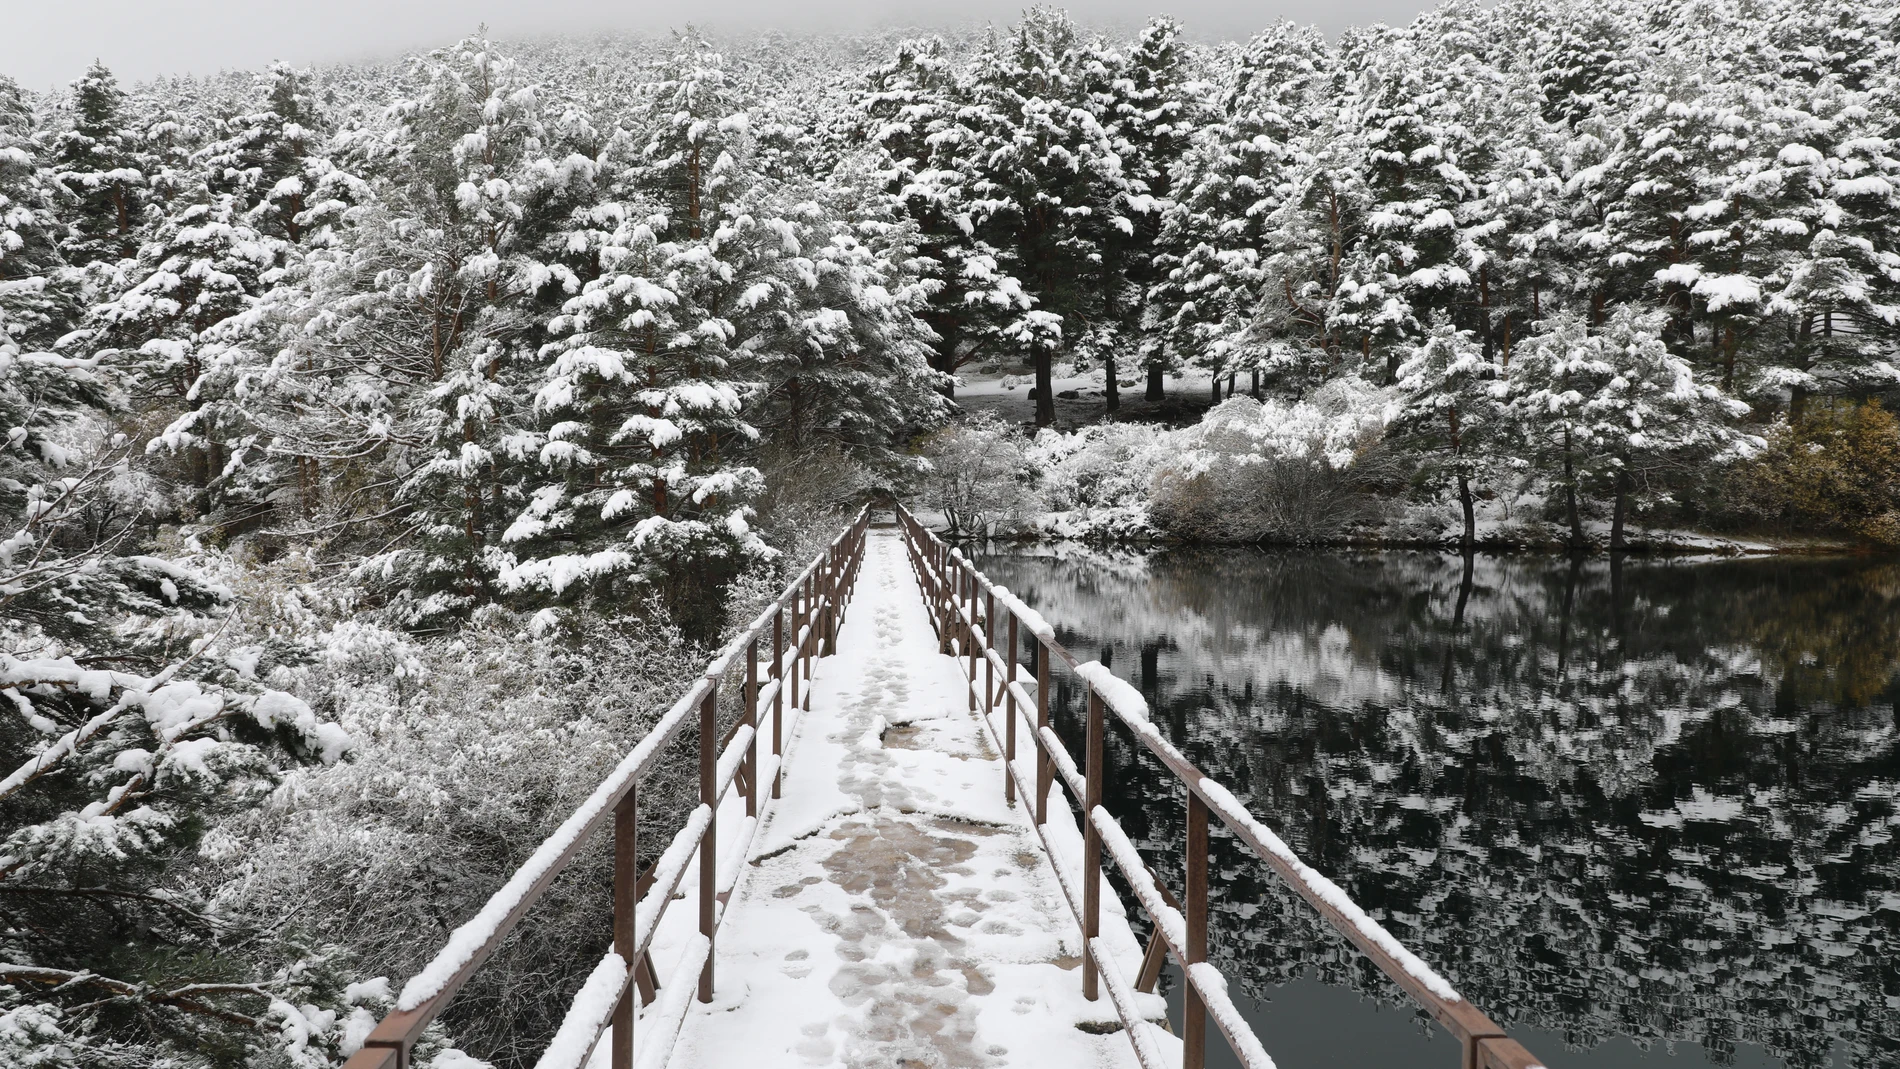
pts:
pixel 1092 844
pixel 1194 1011
pixel 1009 710
pixel 778 694
pixel 1045 770
pixel 626 899
pixel 752 718
pixel 709 845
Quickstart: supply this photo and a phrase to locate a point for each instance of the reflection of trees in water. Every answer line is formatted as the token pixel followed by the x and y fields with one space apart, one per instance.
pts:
pixel 1648 799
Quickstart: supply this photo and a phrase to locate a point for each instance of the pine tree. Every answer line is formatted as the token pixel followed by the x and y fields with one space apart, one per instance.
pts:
pixel 1217 232
pixel 38 296
pixel 1052 179
pixel 913 109
pixel 1608 411
pixel 1453 411
pixel 641 401
pixel 97 164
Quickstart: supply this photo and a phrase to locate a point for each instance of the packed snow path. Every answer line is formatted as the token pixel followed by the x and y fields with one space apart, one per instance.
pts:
pixel 895 912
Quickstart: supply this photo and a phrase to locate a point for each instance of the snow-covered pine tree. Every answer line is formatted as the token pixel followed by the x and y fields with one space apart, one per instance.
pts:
pixel 640 476
pixel 1150 102
pixel 39 301
pixel 96 163
pixel 465 181
pixel 921 115
pixel 1051 179
pixel 1453 412
pixel 1609 411
pixel 202 265
pixel 1216 234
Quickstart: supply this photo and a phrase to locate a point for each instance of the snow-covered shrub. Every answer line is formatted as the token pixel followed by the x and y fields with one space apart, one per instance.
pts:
pixel 1253 471
pixel 980 475
pixel 472 749
pixel 1096 481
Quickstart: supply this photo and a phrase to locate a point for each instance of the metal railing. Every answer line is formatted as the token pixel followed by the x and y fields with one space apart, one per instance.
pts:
pixel 963 605
pixel 811 609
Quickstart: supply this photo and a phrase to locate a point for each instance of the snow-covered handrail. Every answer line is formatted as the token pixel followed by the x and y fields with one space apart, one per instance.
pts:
pixel 808 613
pixel 953 589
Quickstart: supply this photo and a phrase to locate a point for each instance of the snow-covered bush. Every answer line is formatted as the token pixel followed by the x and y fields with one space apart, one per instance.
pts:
pixel 1253 471
pixel 472 749
pixel 980 476
pixel 1096 481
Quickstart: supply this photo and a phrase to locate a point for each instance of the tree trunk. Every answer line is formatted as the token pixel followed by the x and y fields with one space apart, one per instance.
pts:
pixel 1470 538
pixel 1113 389
pixel 1045 388
pixel 1254 390
pixel 1616 515
pixel 1157 389
pixel 1570 496
pixel 1217 387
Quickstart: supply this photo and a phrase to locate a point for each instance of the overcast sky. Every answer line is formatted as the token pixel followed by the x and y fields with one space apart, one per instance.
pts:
pixel 44 43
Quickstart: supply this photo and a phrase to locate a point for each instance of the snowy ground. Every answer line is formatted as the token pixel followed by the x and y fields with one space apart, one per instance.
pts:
pixel 894 911
pixel 1006 393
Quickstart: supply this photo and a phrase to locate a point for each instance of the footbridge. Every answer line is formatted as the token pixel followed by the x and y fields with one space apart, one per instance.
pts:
pixel 897 861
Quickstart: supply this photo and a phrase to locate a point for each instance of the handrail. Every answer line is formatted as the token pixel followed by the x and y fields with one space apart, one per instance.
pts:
pixel 953 588
pixel 813 604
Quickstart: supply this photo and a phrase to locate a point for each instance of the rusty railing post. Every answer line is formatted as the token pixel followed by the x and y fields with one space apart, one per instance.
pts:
pixel 827 591
pixel 709 844
pixel 626 899
pixel 801 666
pixel 834 578
pixel 989 643
pixel 1092 846
pixel 969 632
pixel 1009 710
pixel 792 648
pixel 778 694
pixel 752 720
pixel 1045 770
pixel 1194 1010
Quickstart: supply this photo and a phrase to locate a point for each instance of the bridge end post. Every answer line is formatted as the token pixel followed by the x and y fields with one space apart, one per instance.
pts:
pixel 1193 1007
pixel 1092 846
pixel 709 845
pixel 778 694
pixel 626 900
pixel 1009 711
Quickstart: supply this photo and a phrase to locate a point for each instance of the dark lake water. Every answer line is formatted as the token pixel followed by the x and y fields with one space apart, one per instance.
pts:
pixel 1641 813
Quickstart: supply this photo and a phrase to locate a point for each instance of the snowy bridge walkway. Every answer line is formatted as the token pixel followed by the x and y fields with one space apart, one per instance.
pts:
pixel 885 864
pixel 896 911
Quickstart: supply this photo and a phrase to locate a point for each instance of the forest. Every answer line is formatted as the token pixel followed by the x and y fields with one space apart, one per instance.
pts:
pixel 385 444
